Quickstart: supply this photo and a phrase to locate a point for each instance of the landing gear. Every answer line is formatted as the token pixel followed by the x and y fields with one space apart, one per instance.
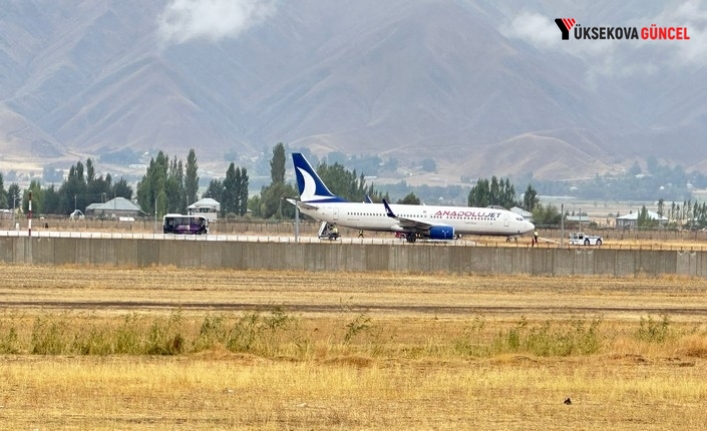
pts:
pixel 411 237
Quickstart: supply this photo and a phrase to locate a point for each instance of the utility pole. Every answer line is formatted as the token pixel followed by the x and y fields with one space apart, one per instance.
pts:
pixel 296 222
pixel 562 224
pixel 30 214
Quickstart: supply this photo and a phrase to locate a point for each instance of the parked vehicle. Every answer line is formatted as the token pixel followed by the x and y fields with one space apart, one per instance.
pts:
pixel 328 231
pixel 77 215
pixel 185 224
pixel 580 238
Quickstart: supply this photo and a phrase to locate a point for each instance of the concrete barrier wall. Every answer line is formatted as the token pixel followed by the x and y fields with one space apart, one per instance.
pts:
pixel 332 256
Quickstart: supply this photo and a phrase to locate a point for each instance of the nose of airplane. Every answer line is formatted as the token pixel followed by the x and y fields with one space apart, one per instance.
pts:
pixel 528 226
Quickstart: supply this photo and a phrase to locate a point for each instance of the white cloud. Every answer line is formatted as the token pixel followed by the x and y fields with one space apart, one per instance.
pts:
pixel 213 20
pixel 693 15
pixel 534 28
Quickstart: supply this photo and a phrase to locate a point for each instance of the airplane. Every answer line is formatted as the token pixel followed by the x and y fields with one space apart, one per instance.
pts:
pixel 411 221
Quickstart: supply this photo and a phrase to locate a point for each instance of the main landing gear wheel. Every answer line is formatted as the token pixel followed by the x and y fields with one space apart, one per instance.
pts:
pixel 411 237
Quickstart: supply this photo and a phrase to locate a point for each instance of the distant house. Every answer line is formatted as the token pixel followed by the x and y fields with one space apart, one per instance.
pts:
pixel 630 221
pixel 114 208
pixel 206 207
pixel 577 221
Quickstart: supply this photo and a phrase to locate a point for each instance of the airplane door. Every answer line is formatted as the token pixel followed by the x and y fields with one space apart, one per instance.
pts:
pixel 336 214
pixel 505 220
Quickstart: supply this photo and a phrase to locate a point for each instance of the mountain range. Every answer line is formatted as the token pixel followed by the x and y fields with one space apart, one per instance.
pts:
pixel 485 88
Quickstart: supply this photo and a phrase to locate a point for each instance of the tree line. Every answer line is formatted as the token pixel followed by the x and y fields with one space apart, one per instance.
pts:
pixel 170 185
pixel 81 188
pixel 165 187
pixel 687 215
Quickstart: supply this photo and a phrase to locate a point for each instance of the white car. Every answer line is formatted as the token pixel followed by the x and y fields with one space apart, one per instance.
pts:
pixel 579 238
pixel 76 215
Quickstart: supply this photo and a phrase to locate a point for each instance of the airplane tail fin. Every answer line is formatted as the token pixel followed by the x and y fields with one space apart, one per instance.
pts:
pixel 388 211
pixel 311 187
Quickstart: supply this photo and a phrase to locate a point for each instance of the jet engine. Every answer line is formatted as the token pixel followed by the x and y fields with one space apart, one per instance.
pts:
pixel 441 232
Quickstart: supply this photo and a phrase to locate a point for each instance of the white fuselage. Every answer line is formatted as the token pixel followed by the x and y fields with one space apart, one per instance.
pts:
pixel 464 220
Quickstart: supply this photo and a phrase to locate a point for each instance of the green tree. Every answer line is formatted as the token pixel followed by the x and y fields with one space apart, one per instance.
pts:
pixel 73 192
pixel 272 202
pixel 236 195
pixel 277 164
pixel 174 187
pixel 410 199
pixel 254 206
pixel 214 191
pixel 162 203
pixel 497 193
pixel 97 188
pixel 90 171
pixel 14 197
pixel 229 204
pixel 480 194
pixel 530 199
pixel 152 183
pixel 191 182
pixel 271 196
pixel 546 215
pixel 243 192
pixel 344 183
pixel 37 196
pixel 122 189
pixel 51 200
pixel 3 194
pixel 644 220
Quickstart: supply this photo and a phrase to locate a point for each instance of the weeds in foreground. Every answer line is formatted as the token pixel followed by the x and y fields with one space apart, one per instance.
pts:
pixel 653 331
pixel 276 333
pixel 575 337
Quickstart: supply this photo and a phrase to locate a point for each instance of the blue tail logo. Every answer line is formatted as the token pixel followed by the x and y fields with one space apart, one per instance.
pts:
pixel 311 187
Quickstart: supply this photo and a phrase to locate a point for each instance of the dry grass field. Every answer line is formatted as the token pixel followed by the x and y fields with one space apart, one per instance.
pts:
pixel 164 348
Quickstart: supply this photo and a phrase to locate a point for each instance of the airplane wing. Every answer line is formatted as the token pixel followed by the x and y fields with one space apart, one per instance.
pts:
pixel 407 223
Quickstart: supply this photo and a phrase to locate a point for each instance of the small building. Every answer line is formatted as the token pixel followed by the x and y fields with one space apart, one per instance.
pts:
pixel 577 221
pixel 114 208
pixel 630 221
pixel 206 207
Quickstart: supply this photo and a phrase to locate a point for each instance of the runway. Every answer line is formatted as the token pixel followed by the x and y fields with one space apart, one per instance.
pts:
pixel 228 238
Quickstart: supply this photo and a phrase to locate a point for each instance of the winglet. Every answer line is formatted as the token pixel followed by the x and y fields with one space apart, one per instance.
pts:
pixel 389 212
pixel 368 200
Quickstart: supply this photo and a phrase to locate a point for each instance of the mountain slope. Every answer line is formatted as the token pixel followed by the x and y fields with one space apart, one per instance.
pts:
pixel 488 88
